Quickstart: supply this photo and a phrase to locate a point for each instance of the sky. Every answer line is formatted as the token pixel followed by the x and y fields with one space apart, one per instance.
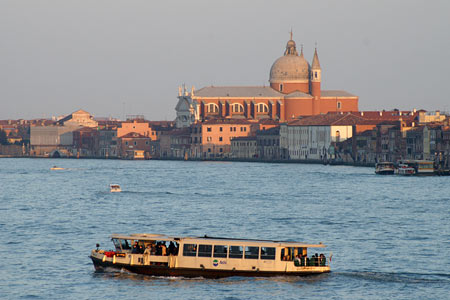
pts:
pixel 117 58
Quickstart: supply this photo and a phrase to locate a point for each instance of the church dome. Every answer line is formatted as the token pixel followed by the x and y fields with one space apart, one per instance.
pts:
pixel 291 67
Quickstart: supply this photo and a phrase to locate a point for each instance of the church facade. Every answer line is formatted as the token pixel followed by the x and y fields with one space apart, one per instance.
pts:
pixel 294 91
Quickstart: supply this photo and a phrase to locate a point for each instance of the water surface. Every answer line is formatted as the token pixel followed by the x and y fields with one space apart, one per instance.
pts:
pixel 389 235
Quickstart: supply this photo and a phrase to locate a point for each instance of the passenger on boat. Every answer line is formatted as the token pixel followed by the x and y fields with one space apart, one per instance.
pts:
pixel 322 259
pixel 163 249
pixel 172 248
pixel 135 248
pixel 147 253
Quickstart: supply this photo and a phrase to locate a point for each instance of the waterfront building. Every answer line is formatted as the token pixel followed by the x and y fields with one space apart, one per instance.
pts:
pixel 212 138
pixel 311 138
pixel 175 143
pixel 134 146
pixel 85 142
pixel 78 118
pixel 244 147
pixel 294 91
pixel 108 142
pixel 53 141
pixel 268 144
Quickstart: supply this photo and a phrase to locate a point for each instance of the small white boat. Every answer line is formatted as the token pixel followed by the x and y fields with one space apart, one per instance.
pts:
pixel 114 188
pixel 56 168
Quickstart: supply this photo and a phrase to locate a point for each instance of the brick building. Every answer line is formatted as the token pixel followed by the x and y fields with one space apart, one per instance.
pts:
pixel 294 91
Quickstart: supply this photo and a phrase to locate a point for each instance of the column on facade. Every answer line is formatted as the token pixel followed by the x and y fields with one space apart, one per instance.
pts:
pixel 222 108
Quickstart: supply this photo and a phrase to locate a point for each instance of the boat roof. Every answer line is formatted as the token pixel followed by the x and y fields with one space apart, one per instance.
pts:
pixel 214 240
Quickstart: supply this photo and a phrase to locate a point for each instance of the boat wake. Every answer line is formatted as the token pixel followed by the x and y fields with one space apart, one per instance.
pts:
pixel 398 277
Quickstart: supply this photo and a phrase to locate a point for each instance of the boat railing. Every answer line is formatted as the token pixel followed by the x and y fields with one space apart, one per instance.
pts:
pixel 311 262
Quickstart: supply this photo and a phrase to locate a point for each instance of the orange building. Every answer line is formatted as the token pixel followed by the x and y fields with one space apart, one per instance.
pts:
pixel 212 138
pixel 294 91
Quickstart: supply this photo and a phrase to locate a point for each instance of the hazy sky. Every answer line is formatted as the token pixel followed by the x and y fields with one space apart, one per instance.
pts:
pixel 112 58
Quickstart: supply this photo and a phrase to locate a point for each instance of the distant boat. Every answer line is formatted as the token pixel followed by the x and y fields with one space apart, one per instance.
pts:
pixel 384 168
pixel 405 168
pixel 56 168
pixel 114 188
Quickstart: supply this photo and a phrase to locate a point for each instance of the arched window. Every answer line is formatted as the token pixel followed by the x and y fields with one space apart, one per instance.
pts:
pixel 262 108
pixel 281 87
pixel 339 105
pixel 237 108
pixel 338 136
pixel 212 108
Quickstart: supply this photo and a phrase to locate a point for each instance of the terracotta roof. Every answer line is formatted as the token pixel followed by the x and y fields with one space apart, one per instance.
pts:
pixel 134 135
pixel 237 91
pixel 298 94
pixel 328 120
pixel 268 122
pixel 386 115
pixel 335 93
pixel 228 121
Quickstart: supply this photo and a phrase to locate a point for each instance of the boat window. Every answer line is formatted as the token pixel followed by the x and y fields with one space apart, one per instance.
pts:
pixel 267 253
pixel 116 243
pixel 204 250
pixel 236 251
pixel 189 250
pixel 125 245
pixel 220 251
pixel 251 252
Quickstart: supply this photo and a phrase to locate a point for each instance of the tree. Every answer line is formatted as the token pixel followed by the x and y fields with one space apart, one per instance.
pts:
pixel 3 138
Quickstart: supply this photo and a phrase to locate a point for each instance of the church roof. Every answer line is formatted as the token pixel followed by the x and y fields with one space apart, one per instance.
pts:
pixel 237 91
pixel 298 94
pixel 335 93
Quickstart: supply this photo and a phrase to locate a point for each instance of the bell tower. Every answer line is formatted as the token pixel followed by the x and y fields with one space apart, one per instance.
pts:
pixel 315 76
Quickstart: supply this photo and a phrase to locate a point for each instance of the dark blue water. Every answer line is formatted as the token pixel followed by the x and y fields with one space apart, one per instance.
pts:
pixel 389 235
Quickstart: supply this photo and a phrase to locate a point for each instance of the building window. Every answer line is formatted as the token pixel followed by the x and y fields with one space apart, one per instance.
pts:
pixel 221 150
pixel 135 143
pixel 262 108
pixel 220 129
pixel 237 108
pixel 281 87
pixel 212 108
pixel 126 143
pixel 315 74
pixel 208 129
pixel 146 142
pixel 209 149
pixel 339 105
pixel 220 138
pixel 209 139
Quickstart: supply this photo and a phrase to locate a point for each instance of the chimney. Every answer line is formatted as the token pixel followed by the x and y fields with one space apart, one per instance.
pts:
pixel 381 113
